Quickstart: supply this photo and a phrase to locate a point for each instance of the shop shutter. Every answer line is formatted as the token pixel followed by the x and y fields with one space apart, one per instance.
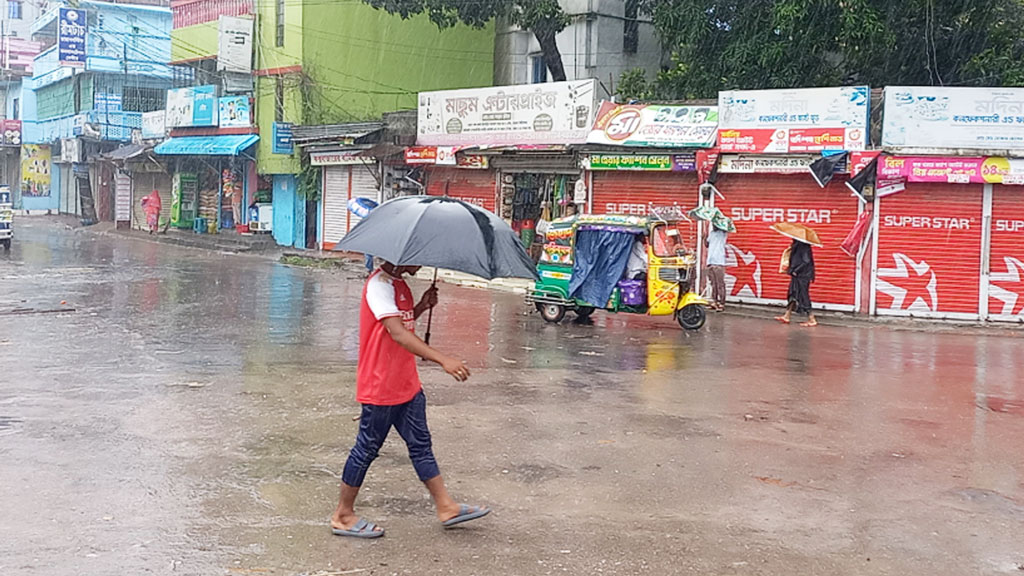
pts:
pixel 929 251
pixel 755 202
pixel 635 192
pixel 473 186
pixel 364 185
pixel 142 184
pixel 1006 256
pixel 335 204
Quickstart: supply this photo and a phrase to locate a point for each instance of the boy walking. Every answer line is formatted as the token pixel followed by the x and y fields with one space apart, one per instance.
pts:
pixel 389 388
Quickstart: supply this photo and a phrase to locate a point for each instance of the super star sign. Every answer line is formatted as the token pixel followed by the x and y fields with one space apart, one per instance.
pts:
pixel 1008 288
pixel 909 283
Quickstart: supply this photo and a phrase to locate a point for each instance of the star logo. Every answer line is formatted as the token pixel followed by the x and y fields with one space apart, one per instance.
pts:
pixel 742 273
pixel 911 285
pixel 1007 288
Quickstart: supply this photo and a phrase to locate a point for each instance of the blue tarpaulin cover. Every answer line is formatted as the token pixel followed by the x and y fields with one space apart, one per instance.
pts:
pixel 600 260
pixel 226 145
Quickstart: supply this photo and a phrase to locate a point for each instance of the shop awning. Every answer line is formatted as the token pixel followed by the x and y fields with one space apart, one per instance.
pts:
pixel 227 145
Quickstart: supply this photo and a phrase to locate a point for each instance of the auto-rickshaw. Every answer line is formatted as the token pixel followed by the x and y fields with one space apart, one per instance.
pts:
pixel 665 288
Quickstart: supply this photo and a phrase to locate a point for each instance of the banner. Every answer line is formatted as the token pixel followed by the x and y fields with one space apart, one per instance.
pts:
pixel 655 126
pixel 952 170
pixel 234 50
pixel 552 113
pixel 754 164
pixel 71 31
pixel 645 162
pixel 35 170
pixel 234 111
pixel 10 132
pixel 794 121
pixel 153 125
pixel 971 118
pixel 192 106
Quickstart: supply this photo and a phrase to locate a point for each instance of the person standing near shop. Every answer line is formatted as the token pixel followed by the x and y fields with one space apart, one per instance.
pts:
pixel 801 276
pixel 715 244
pixel 388 386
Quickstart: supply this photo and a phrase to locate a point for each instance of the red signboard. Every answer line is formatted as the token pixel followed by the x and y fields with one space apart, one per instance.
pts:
pixel 929 251
pixel 1006 260
pixel 421 155
pixel 755 202
pixel 10 132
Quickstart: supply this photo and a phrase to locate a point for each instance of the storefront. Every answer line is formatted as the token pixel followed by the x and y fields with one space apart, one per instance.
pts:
pixel 209 180
pixel 1006 255
pixel 762 190
pixel 346 175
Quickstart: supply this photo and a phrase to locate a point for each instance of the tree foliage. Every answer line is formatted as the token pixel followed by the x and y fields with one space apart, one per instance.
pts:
pixel 725 44
pixel 544 18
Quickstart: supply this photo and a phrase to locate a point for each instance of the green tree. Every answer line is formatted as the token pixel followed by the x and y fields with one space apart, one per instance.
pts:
pixel 544 18
pixel 725 44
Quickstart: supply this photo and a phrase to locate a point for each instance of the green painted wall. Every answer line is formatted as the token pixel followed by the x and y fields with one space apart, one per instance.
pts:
pixel 270 56
pixel 57 99
pixel 194 42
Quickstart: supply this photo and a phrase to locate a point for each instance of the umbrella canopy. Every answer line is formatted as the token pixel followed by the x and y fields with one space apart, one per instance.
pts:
pixel 723 222
pixel 798 232
pixel 361 206
pixel 443 233
pixel 704 212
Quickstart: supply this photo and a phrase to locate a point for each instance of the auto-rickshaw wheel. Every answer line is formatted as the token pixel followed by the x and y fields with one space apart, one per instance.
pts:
pixel 584 312
pixel 691 317
pixel 552 313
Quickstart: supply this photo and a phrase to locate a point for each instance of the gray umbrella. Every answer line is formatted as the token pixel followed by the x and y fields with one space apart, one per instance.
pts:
pixel 443 233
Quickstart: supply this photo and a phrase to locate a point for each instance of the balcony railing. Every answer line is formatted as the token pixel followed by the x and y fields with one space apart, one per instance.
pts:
pixel 192 12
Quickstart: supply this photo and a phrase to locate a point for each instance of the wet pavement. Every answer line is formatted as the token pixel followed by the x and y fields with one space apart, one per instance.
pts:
pixel 191 413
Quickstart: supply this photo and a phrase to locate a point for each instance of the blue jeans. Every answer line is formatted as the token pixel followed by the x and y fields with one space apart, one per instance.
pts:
pixel 368 261
pixel 410 419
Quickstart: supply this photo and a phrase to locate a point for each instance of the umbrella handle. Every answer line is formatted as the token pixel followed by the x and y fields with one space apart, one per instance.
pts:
pixel 430 313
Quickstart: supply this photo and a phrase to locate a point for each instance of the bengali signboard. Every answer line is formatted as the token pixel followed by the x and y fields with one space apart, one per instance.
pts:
pixel 444 156
pixel 757 164
pixel 71 32
pixel 952 170
pixel 953 118
pixel 339 158
pixel 553 113
pixel 10 132
pixel 234 111
pixel 192 106
pixel 282 136
pixel 804 120
pixel 153 125
pixel 644 162
pixel 655 126
pixel 234 50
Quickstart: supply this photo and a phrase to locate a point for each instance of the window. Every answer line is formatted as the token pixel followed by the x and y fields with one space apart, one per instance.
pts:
pixel 14 9
pixel 538 69
pixel 631 28
pixel 280 23
pixel 16 109
pixel 279 100
pixel 143 99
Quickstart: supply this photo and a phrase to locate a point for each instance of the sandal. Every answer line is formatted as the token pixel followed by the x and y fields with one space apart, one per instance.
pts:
pixel 809 324
pixel 361 529
pixel 782 319
pixel 466 513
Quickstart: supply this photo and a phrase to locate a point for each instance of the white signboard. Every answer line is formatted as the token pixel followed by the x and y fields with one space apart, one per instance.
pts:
pixel 758 164
pixel 153 126
pixel 953 118
pixel 335 158
pixel 655 125
pixel 70 150
pixel 553 113
pixel 234 52
pixel 122 197
pixel 794 121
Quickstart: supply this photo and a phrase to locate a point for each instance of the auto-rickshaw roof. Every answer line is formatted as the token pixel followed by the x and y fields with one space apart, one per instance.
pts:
pixel 622 222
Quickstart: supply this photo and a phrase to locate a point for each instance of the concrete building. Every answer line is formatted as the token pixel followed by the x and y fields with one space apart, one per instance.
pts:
pixel 604 39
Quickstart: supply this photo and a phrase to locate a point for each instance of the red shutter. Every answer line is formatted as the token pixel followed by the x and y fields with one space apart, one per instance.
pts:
pixel 473 186
pixel 754 202
pixel 629 192
pixel 1006 259
pixel 929 251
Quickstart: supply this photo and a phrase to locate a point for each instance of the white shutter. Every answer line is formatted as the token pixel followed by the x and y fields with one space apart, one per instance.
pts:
pixel 335 202
pixel 364 185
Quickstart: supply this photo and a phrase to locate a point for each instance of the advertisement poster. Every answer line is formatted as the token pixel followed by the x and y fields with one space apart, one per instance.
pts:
pixel 35 170
pixel 235 111
pixel 192 106
pixel 971 118
pixel 804 120
pixel 234 50
pixel 71 31
pixel 552 113
pixel 10 132
pixel 655 126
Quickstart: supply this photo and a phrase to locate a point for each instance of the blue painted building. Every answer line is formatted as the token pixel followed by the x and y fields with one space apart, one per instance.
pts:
pixel 81 112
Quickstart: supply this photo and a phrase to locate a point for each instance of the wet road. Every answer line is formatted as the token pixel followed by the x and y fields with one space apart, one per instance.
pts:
pixel 190 415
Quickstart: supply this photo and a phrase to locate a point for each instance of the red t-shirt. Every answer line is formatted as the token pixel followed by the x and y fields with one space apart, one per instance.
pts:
pixel 387 373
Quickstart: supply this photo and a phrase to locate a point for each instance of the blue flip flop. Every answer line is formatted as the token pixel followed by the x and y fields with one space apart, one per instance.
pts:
pixel 361 529
pixel 466 513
